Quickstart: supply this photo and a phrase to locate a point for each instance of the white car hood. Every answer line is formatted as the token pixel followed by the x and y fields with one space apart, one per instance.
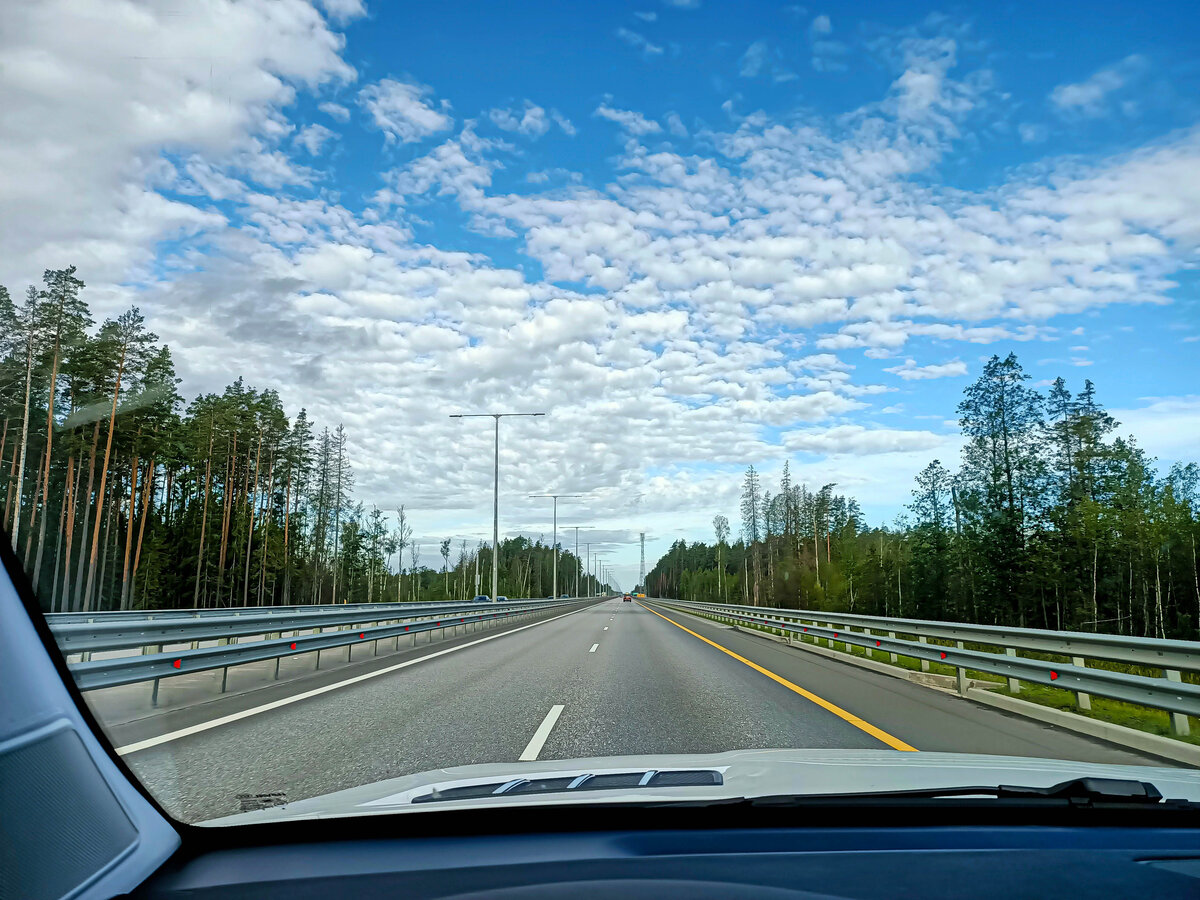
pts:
pixel 745 773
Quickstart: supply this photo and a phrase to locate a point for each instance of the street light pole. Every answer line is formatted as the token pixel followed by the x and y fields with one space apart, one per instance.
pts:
pixel 555 568
pixel 576 560
pixel 495 490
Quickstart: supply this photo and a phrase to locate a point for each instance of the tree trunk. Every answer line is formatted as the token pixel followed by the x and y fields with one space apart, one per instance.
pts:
pixel 112 427
pixel 287 563
pixel 108 517
pixel 147 496
pixel 266 520
pixel 16 519
pixel 228 505
pixel 62 518
pixel 66 577
pixel 12 477
pixel 203 516
pixel 252 501
pixel 133 486
pixel 82 602
pixel 3 447
pixel 37 565
pixel 33 510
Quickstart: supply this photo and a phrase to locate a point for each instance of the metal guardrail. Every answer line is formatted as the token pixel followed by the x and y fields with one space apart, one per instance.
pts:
pixel 1169 693
pixel 140 615
pixel 124 633
pixel 103 673
pixel 1167 654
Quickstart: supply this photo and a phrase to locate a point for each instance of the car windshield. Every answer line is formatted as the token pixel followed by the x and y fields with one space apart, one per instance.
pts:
pixel 417 405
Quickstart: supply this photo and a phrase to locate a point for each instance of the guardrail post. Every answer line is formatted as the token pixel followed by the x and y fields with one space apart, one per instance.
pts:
pixel 892 656
pixel 1083 700
pixel 1014 684
pixel 961 673
pixel 224 642
pixel 1179 721
pixel 924 662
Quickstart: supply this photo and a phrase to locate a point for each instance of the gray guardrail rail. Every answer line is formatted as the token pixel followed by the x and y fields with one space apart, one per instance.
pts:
pixel 1168 693
pixel 145 615
pixel 154 664
pixel 123 632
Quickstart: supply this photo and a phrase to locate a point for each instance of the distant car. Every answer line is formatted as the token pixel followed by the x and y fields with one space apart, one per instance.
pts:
pixel 481 598
pixel 564 597
pixel 501 599
pixel 628 599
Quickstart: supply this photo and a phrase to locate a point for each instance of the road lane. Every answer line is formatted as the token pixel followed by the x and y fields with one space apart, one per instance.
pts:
pixel 648 686
pixel 928 719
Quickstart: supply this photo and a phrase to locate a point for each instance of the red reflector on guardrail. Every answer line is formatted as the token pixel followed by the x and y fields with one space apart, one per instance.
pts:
pixel 943 654
pixel 177 663
pixel 1053 676
pixel 877 643
pixel 293 645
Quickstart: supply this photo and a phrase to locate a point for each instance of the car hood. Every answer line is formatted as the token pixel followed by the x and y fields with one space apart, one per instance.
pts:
pixel 741 774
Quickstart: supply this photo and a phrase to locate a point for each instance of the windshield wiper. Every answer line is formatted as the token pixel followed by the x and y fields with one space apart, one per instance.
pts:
pixel 1081 792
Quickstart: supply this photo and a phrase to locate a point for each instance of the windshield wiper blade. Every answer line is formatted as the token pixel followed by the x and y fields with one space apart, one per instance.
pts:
pixel 1076 792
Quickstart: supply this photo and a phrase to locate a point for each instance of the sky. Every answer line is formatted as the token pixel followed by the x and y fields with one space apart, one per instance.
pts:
pixel 698 235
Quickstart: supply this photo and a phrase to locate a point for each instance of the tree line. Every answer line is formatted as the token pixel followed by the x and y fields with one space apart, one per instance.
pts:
pixel 1051 520
pixel 117 495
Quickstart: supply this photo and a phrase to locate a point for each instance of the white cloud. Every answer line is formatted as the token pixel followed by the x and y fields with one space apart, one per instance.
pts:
pixel 1089 98
pixel 563 122
pixel 632 122
pixel 531 121
pixel 639 42
pixel 859 441
pixel 754 59
pixel 702 296
pixel 96 205
pixel 399 110
pixel 313 137
pixel 1032 133
pixel 646 15
pixel 335 111
pixel 342 11
pixel 820 26
pixel 1166 427
pixel 682 4
pixel 910 371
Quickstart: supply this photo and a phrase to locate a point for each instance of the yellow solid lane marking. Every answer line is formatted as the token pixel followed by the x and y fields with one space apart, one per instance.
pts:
pixel 877 733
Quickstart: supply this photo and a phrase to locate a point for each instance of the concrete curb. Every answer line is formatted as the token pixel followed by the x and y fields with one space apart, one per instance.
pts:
pixel 1106 731
pixel 983 692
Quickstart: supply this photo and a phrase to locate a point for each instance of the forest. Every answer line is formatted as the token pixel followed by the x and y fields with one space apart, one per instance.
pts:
pixel 1051 520
pixel 117 495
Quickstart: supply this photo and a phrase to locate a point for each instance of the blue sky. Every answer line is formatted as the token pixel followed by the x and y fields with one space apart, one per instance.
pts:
pixel 699 234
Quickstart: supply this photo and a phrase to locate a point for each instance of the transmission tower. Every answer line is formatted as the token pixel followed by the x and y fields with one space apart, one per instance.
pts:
pixel 642 577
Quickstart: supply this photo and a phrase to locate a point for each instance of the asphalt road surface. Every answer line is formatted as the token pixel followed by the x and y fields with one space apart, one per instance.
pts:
pixel 607 679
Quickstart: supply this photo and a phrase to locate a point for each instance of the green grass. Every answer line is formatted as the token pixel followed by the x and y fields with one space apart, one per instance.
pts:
pixel 1115 712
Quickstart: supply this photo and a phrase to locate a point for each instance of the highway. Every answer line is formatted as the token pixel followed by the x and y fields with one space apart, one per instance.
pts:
pixel 607 679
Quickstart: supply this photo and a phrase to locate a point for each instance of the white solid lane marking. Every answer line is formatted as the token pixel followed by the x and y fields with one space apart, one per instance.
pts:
pixel 275 704
pixel 534 747
pixel 606 628
pixel 593 650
